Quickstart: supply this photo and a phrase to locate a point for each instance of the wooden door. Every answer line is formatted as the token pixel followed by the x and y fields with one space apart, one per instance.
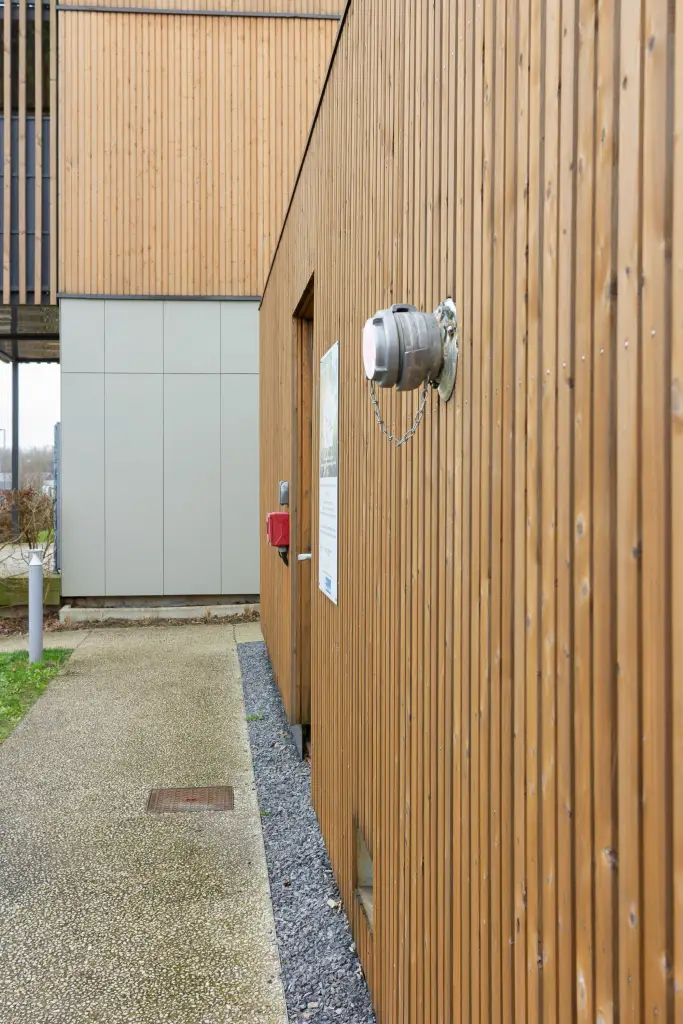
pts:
pixel 301 560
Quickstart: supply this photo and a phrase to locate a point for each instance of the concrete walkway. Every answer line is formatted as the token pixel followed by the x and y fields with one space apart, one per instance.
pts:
pixel 111 915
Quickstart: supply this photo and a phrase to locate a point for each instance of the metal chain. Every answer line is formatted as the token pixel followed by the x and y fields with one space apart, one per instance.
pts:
pixel 398 441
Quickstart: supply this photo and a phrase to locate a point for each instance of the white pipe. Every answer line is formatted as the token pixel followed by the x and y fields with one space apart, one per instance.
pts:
pixel 35 606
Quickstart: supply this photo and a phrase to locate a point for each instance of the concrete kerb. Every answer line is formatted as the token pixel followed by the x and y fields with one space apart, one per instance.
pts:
pixel 71 616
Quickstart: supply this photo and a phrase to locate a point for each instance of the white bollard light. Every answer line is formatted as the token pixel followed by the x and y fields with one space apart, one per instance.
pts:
pixel 35 606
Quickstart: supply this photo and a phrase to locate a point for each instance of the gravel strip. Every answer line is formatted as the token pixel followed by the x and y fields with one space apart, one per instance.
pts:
pixel 321 971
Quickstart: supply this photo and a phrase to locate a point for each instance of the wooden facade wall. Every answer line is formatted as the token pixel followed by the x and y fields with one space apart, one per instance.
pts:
pixel 29 179
pixel 498 697
pixel 179 141
pixel 281 8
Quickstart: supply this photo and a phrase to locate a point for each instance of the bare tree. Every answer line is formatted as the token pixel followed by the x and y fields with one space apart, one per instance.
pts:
pixel 26 523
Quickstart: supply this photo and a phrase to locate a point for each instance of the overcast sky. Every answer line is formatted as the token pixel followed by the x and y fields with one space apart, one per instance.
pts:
pixel 38 403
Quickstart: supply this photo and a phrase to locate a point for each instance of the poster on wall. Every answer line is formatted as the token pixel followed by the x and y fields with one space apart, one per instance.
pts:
pixel 329 472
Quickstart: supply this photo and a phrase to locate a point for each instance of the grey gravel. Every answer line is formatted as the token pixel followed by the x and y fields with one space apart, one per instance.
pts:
pixel 321 972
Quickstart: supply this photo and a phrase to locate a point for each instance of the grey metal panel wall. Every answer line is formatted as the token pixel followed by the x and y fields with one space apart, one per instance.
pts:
pixel 192 341
pixel 239 483
pixel 134 484
pixel 239 337
pixel 160 460
pixel 82 335
pixel 134 336
pixel 192 484
pixel 83 565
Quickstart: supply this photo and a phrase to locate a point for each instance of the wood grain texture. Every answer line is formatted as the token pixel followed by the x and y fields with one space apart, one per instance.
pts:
pixel 286 7
pixel 497 699
pixel 676 412
pixel 183 195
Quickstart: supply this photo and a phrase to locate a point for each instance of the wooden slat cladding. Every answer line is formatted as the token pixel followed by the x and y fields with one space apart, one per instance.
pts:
pixel 497 699
pixel 281 7
pixel 179 142
pixel 53 155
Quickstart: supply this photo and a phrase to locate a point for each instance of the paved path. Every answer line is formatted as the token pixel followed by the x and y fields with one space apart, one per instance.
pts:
pixel 111 915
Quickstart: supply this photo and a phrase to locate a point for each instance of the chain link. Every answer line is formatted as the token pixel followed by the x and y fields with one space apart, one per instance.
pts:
pixel 398 441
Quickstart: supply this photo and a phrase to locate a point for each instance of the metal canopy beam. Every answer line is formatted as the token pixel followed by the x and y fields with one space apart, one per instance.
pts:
pixel 29 350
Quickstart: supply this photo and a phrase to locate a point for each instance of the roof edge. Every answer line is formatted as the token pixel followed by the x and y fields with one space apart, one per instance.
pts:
pixel 342 23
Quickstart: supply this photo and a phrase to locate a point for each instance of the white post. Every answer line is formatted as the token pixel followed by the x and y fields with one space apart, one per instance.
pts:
pixel 35 606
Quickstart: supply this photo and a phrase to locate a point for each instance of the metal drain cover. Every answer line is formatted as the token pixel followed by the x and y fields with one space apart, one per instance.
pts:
pixel 207 798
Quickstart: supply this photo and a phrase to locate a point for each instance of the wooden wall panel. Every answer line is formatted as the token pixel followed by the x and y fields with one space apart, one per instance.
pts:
pixel 283 8
pixel 497 700
pixel 179 144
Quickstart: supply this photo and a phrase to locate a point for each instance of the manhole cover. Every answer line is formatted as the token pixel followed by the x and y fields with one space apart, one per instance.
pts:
pixel 207 798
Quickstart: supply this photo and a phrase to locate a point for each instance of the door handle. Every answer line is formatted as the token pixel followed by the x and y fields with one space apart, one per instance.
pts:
pixel 305 557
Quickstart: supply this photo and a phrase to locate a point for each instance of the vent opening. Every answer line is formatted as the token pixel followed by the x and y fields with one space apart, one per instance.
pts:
pixel 364 881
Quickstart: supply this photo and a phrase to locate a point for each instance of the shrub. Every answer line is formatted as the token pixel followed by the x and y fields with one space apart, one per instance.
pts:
pixel 35 515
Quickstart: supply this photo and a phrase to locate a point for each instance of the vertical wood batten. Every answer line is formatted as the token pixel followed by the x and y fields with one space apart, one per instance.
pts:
pixel 508 335
pixel 21 160
pixel 486 468
pixel 676 413
pixel 519 522
pixel 521 496
pixel 448 474
pixel 548 529
pixel 566 938
pixel 7 162
pixel 655 341
pixel 604 521
pixel 467 257
pixel 532 516
pixel 630 903
pixel 496 995
pixel 581 523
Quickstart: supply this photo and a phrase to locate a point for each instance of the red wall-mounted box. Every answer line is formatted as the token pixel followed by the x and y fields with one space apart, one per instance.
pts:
pixel 277 529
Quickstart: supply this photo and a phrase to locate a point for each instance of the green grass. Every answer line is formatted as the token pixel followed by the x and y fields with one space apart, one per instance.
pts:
pixel 21 684
pixel 46 536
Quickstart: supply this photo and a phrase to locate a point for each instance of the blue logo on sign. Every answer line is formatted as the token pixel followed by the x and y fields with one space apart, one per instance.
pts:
pixel 328 584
